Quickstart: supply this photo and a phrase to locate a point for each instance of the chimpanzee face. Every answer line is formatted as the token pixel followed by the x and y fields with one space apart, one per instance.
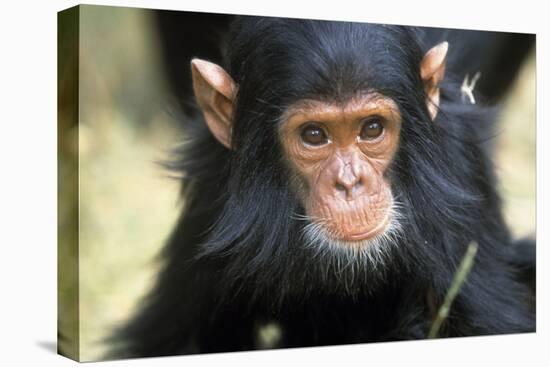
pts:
pixel 338 152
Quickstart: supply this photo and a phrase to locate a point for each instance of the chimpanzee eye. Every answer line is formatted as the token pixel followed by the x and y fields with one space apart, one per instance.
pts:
pixel 372 128
pixel 314 135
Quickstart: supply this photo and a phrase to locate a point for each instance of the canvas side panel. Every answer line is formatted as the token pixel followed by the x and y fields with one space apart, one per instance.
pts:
pixel 68 323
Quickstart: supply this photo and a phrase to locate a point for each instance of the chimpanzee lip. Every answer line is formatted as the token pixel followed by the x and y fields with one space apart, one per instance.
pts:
pixel 371 233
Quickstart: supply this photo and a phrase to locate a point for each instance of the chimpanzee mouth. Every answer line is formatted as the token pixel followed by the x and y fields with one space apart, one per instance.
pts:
pixel 371 244
pixel 361 236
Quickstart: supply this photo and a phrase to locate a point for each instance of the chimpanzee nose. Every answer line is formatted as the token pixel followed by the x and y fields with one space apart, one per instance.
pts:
pixel 348 182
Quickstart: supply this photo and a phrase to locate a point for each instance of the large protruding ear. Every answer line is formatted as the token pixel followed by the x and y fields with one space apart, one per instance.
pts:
pixel 215 92
pixel 432 71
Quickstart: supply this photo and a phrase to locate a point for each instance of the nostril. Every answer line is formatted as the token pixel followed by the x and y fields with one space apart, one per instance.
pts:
pixel 349 183
pixel 340 187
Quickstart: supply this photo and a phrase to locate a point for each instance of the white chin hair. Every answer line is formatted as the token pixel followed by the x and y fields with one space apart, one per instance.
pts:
pixel 371 252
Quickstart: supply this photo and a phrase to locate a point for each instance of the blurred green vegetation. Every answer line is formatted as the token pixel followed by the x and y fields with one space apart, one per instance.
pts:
pixel 67 153
pixel 516 152
pixel 128 204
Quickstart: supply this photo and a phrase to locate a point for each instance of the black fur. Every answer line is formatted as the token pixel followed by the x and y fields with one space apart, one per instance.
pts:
pixel 236 260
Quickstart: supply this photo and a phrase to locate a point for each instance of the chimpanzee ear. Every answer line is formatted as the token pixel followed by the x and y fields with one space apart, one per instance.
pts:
pixel 215 92
pixel 432 71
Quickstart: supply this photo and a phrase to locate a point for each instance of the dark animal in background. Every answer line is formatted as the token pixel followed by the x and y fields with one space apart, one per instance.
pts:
pixel 332 181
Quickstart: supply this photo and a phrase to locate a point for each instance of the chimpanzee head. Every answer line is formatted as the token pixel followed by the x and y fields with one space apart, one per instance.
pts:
pixel 316 116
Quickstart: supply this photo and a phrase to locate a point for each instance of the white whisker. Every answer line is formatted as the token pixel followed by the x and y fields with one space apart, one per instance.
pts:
pixel 350 256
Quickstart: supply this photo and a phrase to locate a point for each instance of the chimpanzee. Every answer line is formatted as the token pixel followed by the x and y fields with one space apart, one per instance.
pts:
pixel 332 180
